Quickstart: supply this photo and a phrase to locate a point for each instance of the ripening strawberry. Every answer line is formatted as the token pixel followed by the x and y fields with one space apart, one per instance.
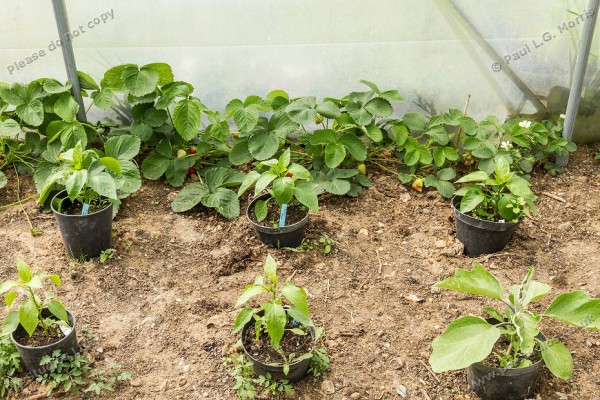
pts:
pixel 192 150
pixel 289 175
pixel 191 171
pixel 418 184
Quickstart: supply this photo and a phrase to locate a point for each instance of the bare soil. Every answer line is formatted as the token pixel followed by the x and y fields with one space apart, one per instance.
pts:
pixel 163 305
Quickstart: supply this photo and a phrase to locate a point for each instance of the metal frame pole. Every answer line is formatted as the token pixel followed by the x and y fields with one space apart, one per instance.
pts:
pixel 578 77
pixel 62 23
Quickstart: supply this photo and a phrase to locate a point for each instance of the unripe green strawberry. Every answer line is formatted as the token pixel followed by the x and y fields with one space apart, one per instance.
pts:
pixel 181 153
pixel 362 169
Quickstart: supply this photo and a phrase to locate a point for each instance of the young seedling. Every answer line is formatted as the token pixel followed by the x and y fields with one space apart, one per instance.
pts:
pixel 470 339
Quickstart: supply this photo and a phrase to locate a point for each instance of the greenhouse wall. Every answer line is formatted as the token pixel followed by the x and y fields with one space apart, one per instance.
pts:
pixel 512 57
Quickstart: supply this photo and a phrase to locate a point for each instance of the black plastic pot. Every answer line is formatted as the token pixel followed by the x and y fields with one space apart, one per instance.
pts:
pixel 297 372
pixel 288 236
pixel 31 356
pixel 479 236
pixel 84 236
pixel 504 384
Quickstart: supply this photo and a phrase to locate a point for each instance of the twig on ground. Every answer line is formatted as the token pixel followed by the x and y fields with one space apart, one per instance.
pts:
pixel 380 262
pixel 363 283
pixel 292 275
pixel 553 196
pixel 327 292
pixel 424 393
pixel 430 371
pixel 349 312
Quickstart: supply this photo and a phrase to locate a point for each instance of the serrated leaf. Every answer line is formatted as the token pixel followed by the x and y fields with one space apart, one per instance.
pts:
pixel 359 114
pixel 246 118
pixel 465 341
pixel 263 145
pixel 165 73
pixel 323 136
pixel 86 82
pixel 103 98
pixel 189 197
pixel 415 121
pixel 240 154
pixel 303 110
pixel 140 82
pixel 374 133
pixel 329 109
pixel 334 155
pixel 187 118
pixel 478 281
pixel 379 107
pixel 354 145
pixel 123 147
pixel 104 185
pixel 225 201
pixel 32 113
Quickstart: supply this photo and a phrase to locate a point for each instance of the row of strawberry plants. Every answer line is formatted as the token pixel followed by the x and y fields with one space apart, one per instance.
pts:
pixel 335 139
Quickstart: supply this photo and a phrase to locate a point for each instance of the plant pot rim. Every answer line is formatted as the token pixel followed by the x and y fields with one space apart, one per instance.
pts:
pixel 477 221
pixel 71 318
pixel 285 228
pixel 254 360
pixel 71 215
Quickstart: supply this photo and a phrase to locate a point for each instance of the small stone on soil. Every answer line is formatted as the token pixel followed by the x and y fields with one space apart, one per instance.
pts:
pixel 363 232
pixel 327 387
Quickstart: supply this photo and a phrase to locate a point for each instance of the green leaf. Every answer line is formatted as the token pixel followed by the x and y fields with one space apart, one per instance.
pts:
pixel 465 341
pixel 10 298
pixel 502 170
pixel 9 127
pixel 104 185
pixel 283 190
pixel 299 172
pixel 447 174
pixel 576 308
pixel 296 296
pixel 75 183
pixel 249 292
pixel 275 319
pixel 189 197
pixel 155 165
pixel 165 73
pixel 334 155
pixel 86 82
pixel 354 145
pixel 113 78
pixel 415 121
pixel 3 180
pixel 520 187
pixel 445 188
pixel 263 145
pixel 246 118
pixel 66 107
pixel 477 176
pixel 374 133
pixel 239 153
pixel 323 136
pixel 32 112
pixel 58 310
pixel 243 317
pixel 112 164
pixel 527 326
pixel 130 180
pixel 53 86
pixel 140 82
pixel 329 109
pixel 123 147
pixel 10 324
pixel 303 110
pixel 263 181
pixel 28 315
pixel 492 312
pixel 412 157
pixel 103 98
pixel 379 107
pixel 186 118
pixel 399 134
pixel 271 269
pixel 249 181
pixel 178 169
pixel 225 201
pixel 305 193
pixel 471 200
pixel 359 114
pixel 478 281
pixel 23 271
pixel 260 210
pixel 178 89
pixel 557 358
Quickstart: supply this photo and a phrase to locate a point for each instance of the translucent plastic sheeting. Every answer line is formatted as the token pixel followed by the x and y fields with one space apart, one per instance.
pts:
pixel 513 57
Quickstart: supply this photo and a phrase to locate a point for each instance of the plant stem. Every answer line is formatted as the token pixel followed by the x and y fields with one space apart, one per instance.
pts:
pixel 39 309
pixel 18 202
pixel 384 167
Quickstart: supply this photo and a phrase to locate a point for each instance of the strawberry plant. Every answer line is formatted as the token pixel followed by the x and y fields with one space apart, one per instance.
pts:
pixel 468 340
pixel 501 196
pixel 25 294
pixel 212 192
pixel 286 181
pixel 339 181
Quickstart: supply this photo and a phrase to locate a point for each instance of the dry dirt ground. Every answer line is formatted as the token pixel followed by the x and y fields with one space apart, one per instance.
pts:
pixel 163 306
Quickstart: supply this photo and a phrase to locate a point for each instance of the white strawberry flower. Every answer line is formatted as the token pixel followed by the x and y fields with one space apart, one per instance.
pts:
pixel 562 116
pixel 525 124
pixel 506 145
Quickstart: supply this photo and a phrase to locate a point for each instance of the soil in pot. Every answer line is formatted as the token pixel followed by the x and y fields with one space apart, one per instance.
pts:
pixel 263 351
pixel 39 337
pixel 295 213
pixel 76 208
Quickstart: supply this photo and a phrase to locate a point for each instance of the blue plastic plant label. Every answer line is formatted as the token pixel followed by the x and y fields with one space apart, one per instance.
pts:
pixel 84 209
pixel 283 215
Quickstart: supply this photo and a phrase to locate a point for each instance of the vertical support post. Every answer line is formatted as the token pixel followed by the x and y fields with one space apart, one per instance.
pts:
pixel 578 77
pixel 62 23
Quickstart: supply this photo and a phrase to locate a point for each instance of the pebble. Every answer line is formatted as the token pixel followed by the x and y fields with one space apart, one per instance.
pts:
pixel 440 244
pixel 327 387
pixel 363 232
pixel 136 383
pixel 399 362
pixel 401 390
pixel 405 197
pixel 589 343
pixel 355 395
pixel 565 226
pixel 182 381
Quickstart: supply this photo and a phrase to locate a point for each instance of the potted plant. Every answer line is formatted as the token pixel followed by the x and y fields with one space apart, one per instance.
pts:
pixel 281 222
pixel 504 353
pixel 94 182
pixel 41 324
pixel 278 338
pixel 488 209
